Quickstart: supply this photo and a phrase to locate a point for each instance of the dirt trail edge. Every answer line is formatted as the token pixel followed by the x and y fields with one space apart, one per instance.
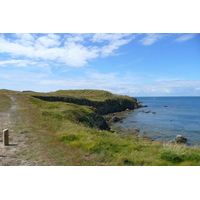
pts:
pixel 15 153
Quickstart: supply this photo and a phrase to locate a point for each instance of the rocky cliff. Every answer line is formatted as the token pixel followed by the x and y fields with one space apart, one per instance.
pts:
pixel 103 107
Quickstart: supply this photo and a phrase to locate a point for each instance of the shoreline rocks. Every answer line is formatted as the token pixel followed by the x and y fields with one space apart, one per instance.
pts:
pixel 115 119
pixel 179 139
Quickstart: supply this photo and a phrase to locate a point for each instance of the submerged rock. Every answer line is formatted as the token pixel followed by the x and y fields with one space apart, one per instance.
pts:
pixel 148 111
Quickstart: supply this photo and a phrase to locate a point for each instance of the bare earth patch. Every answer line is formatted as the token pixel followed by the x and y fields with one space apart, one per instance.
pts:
pixel 15 153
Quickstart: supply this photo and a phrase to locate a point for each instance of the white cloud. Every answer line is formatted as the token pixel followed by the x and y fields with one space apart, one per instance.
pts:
pixel 113 41
pixel 151 38
pixel 50 40
pixel 24 36
pixel 114 45
pixel 185 37
pixel 109 37
pixel 76 37
pixel 16 63
pixel 75 52
pixel 25 39
pixel 77 55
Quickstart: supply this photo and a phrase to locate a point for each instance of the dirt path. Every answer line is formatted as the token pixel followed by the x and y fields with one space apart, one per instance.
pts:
pixel 13 154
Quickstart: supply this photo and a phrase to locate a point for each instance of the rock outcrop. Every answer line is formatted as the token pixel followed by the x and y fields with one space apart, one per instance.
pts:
pixel 103 107
pixel 107 106
pixel 115 119
pixel 179 139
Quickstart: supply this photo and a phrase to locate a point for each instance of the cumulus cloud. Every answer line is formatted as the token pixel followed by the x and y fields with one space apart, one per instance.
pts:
pixel 151 38
pixel 50 40
pixel 185 37
pixel 77 55
pixel 111 47
pixel 112 42
pixel 74 51
pixel 24 39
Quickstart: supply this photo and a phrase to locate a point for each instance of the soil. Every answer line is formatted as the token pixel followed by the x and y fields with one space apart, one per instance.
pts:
pixel 15 153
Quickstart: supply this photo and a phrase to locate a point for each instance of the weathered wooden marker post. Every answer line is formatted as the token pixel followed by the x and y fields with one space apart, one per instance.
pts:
pixel 5 137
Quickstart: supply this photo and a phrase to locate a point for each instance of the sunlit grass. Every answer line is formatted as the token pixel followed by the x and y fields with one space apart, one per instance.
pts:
pixel 5 100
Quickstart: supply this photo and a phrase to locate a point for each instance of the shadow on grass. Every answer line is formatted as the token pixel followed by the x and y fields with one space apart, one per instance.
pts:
pixel 12 144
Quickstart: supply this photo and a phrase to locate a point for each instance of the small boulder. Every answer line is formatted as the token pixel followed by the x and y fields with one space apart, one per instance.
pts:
pixel 114 119
pixel 142 106
pixel 180 139
pixel 135 130
pixel 148 111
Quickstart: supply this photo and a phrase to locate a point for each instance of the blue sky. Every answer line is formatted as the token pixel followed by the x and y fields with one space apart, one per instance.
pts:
pixel 154 64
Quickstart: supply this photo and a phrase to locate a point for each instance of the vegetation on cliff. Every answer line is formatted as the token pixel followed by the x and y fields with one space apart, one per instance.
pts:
pixel 105 102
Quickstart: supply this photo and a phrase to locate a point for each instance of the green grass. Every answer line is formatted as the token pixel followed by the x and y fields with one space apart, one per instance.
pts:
pixel 5 100
pixel 64 134
pixel 178 154
pixel 93 95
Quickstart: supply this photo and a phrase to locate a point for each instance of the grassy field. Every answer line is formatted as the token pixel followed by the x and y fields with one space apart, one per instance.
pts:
pixel 65 134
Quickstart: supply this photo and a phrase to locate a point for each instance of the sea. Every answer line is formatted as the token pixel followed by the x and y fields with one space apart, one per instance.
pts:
pixel 166 117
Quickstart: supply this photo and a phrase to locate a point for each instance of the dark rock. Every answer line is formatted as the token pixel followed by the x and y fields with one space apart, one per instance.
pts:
pixel 180 139
pixel 142 106
pixel 114 119
pixel 94 120
pixel 135 130
pixel 133 121
pixel 165 106
pixel 148 111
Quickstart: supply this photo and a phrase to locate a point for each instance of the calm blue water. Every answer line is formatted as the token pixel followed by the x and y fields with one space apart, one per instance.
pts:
pixel 180 117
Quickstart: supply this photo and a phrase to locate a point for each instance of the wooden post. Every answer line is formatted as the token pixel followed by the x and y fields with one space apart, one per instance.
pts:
pixel 5 137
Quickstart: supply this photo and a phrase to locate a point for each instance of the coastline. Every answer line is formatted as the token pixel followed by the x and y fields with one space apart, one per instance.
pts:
pixel 120 129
